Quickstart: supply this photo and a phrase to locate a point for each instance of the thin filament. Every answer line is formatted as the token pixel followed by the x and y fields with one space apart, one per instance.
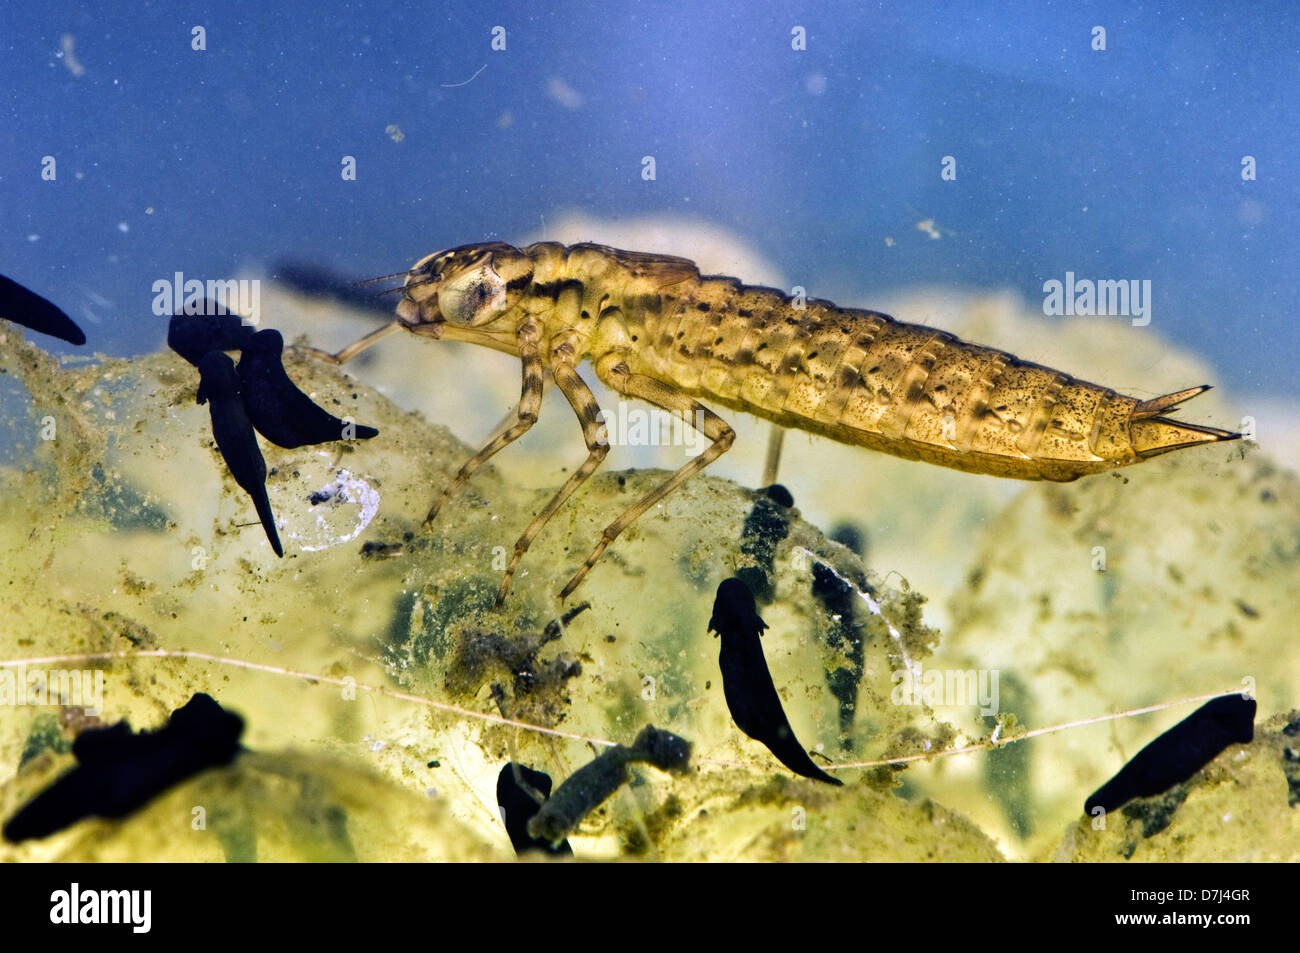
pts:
pixel 573 736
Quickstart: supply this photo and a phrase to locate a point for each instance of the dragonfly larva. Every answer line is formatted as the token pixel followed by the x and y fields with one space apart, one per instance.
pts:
pixel 655 329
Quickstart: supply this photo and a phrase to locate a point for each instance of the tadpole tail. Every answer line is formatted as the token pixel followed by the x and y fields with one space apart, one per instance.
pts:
pixel 793 756
pixel 23 306
pixel 263 504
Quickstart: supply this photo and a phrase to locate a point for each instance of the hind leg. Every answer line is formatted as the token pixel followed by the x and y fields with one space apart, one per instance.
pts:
pixel 613 371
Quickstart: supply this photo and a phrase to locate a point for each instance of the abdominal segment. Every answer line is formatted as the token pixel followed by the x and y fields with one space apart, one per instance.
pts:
pixel 862 378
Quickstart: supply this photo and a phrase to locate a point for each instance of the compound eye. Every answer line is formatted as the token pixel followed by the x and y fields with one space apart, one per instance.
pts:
pixel 473 297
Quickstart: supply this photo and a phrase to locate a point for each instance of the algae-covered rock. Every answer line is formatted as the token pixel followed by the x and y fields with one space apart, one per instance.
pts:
pixel 132 539
pixel 795 820
pixel 272 807
pixel 1172 580
pixel 1240 807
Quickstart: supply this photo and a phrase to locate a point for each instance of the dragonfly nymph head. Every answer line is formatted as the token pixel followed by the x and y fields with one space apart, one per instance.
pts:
pixel 466 287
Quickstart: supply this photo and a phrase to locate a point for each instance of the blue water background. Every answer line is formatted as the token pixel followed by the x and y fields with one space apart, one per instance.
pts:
pixel 1117 164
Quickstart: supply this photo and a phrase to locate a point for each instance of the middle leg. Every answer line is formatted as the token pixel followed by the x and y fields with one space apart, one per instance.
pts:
pixel 615 373
pixel 583 402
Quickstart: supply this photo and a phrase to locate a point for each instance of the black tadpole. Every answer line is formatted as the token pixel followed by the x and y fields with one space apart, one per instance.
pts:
pixel 1179 753
pixel 213 329
pixel 584 790
pixel 219 388
pixel 521 792
pixel 318 282
pixel 118 772
pixel 766 525
pixel 755 706
pixel 29 309
pixel 281 412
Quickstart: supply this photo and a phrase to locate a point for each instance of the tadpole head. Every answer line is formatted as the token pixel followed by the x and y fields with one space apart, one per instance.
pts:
pixel 663 749
pixel 734 610
pixel 267 341
pixel 217 377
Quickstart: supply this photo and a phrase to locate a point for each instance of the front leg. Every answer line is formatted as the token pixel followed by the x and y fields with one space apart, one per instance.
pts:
pixel 356 347
pixel 530 401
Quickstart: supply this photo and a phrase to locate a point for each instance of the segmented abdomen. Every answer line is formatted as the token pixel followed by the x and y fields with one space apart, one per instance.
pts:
pixel 863 378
